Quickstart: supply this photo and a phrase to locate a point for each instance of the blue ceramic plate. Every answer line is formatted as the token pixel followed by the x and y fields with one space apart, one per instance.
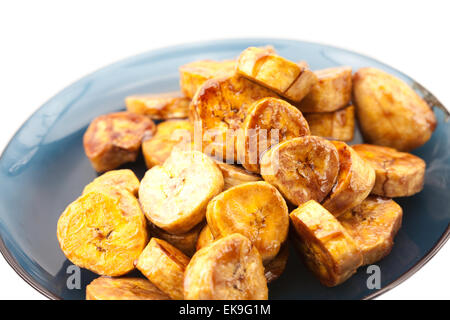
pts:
pixel 44 168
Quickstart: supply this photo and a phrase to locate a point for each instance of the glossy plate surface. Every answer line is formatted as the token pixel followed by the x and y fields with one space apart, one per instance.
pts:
pixel 44 168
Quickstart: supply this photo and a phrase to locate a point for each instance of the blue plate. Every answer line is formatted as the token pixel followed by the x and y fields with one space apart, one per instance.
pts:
pixel 44 168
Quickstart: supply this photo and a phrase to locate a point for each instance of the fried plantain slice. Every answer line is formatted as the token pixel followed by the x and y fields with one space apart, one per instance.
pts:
pixel 373 225
pixel 123 179
pixel 164 266
pixel 172 134
pixel 194 74
pixel 275 268
pixel 269 121
pixel 114 139
pixel 169 105
pixel 205 238
pixel 390 113
pixel 332 92
pixel 398 174
pixel 103 231
pixel 324 244
pixel 355 181
pixel 219 109
pixel 234 175
pixel 105 288
pixel 289 79
pixel 336 125
pixel 228 269
pixel 174 196
pixel 303 168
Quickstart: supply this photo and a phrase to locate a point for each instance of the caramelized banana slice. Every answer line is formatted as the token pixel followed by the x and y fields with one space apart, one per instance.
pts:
pixel 194 74
pixel 332 91
pixel 287 78
pixel 373 225
pixel 173 134
pixel 389 112
pixel 205 238
pixel 398 174
pixel 124 179
pixel 355 181
pixel 275 268
pixel 336 125
pixel 234 175
pixel 303 168
pixel 269 121
pixel 114 139
pixel 219 109
pixel 324 244
pixel 105 288
pixel 164 266
pixel 170 105
pixel 174 196
pixel 228 269
pixel 103 231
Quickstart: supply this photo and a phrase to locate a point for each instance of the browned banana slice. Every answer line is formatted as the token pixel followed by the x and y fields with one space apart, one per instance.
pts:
pixel 194 74
pixel 256 210
pixel 164 266
pixel 219 109
pixel 373 225
pixel 390 113
pixel 398 174
pixel 287 78
pixel 105 288
pixel 169 135
pixel 303 168
pixel 326 247
pixel 114 139
pixel 174 196
pixel 275 268
pixel 205 238
pixel 234 175
pixel 332 91
pixel 355 181
pixel 228 269
pixel 124 179
pixel 170 105
pixel 337 125
pixel 269 121
pixel 103 231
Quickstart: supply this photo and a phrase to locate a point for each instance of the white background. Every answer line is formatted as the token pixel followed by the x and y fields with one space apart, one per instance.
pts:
pixel 46 45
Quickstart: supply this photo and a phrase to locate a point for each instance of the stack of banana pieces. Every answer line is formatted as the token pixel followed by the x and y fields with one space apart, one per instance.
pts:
pixel 248 154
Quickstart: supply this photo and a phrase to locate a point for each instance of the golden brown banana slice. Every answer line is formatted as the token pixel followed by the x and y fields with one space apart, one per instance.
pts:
pixel 219 109
pixel 123 179
pixel 103 231
pixel 174 196
pixel 164 266
pixel 269 121
pixel 114 139
pixel 326 247
pixel 170 105
pixel 205 238
pixel 373 225
pixel 234 175
pixel 256 210
pixel 303 168
pixel 228 269
pixel 336 125
pixel 355 181
pixel 172 134
pixel 105 288
pixel 275 268
pixel 398 174
pixel 332 91
pixel 390 113
pixel 194 74
pixel 289 79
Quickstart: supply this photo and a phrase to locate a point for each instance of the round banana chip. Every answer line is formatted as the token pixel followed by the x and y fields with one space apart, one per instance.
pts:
pixel 398 174
pixel 124 179
pixel 103 231
pixel 324 244
pixel 234 175
pixel 105 288
pixel 228 269
pixel 170 105
pixel 269 121
pixel 275 268
pixel 373 225
pixel 205 238
pixel 174 196
pixel 355 181
pixel 303 168
pixel 164 266
pixel 256 210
